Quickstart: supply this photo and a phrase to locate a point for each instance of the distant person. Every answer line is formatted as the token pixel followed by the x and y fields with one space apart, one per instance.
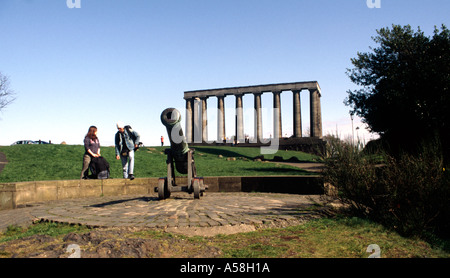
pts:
pixel 162 141
pixel 92 149
pixel 126 141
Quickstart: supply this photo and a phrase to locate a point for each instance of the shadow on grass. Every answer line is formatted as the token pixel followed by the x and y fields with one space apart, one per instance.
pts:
pixel 228 153
pixel 217 151
pixel 282 171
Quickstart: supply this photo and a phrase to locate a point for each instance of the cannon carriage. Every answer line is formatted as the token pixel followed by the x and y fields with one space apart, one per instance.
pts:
pixel 180 158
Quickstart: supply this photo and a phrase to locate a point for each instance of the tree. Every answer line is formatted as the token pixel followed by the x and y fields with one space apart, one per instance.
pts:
pixel 6 94
pixel 405 87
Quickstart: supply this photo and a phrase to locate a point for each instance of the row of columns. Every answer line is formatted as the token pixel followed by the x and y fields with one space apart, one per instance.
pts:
pixel 194 129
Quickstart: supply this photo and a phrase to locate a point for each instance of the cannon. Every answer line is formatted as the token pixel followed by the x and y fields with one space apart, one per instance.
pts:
pixel 179 157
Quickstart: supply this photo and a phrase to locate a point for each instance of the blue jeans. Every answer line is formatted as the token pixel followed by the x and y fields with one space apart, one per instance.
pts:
pixel 127 166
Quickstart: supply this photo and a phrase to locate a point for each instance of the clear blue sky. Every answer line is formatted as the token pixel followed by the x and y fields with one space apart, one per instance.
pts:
pixel 128 60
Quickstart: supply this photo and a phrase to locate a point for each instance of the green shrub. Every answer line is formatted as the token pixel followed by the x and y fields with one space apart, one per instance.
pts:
pixel 419 191
pixel 409 193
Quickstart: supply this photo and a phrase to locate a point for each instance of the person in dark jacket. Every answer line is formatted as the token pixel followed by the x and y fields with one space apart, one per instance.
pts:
pixel 126 141
pixel 92 149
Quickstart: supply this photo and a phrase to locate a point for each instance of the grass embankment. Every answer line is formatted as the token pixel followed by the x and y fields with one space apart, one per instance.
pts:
pixel 64 162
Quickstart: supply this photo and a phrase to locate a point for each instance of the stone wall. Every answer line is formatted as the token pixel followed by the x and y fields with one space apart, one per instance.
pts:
pixel 18 194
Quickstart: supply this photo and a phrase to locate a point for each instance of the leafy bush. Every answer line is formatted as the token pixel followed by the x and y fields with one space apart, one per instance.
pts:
pixel 409 193
pixel 419 192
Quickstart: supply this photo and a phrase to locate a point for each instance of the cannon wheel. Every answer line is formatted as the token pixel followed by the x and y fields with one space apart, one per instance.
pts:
pixel 202 187
pixel 196 186
pixel 163 190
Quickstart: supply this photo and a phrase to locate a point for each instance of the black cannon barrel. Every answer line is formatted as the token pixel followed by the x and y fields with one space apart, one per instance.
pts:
pixel 171 119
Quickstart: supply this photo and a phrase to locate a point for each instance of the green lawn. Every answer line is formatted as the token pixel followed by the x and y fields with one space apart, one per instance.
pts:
pixel 339 237
pixel 60 162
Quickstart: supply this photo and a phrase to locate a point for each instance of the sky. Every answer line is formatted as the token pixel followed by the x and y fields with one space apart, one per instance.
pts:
pixel 128 60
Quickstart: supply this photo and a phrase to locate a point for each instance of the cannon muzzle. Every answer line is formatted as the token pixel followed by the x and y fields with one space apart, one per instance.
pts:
pixel 171 118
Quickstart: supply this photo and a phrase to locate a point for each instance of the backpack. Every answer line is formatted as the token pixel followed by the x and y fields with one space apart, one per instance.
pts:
pixel 133 137
pixel 99 168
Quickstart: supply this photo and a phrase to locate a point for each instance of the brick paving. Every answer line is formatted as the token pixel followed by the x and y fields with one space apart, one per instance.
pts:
pixel 180 210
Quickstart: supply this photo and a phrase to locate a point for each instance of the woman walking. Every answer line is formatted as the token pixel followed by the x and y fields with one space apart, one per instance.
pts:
pixel 92 149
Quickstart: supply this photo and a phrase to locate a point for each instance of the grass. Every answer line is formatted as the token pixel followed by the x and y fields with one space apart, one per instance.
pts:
pixel 62 162
pixel 340 237
pixel 50 229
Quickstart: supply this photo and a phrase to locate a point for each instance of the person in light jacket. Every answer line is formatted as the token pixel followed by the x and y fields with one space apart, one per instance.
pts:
pixel 126 141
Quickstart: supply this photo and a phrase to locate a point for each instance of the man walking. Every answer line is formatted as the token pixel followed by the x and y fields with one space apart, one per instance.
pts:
pixel 126 142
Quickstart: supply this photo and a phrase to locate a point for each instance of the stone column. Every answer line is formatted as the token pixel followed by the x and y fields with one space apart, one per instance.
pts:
pixel 316 114
pixel 204 120
pixel 197 138
pixel 239 119
pixel 319 116
pixel 258 118
pixel 189 125
pixel 277 115
pixel 220 119
pixel 297 114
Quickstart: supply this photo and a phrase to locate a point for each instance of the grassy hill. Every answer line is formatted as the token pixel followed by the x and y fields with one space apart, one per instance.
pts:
pixel 56 162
